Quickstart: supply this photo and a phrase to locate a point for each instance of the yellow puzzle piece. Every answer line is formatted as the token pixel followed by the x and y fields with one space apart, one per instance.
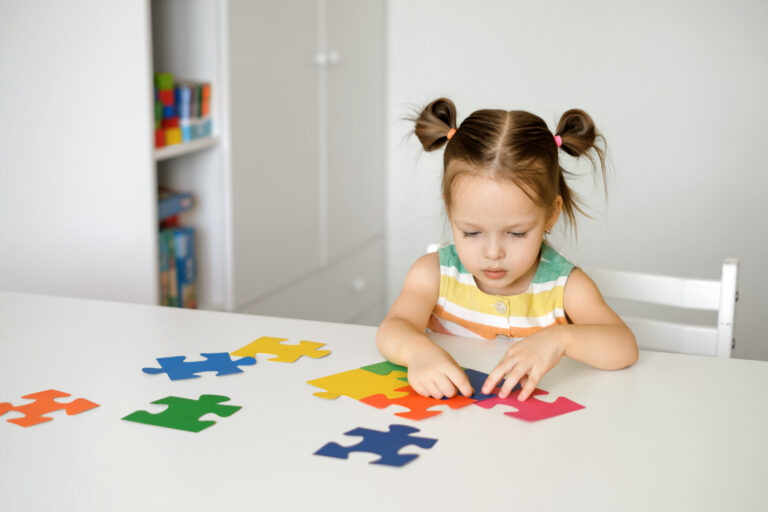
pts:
pixel 284 353
pixel 359 384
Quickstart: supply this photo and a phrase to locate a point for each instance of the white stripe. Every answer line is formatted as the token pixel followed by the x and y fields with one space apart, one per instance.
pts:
pixel 502 322
pixel 467 278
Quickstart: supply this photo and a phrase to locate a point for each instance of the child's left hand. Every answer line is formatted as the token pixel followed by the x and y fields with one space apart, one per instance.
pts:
pixel 526 362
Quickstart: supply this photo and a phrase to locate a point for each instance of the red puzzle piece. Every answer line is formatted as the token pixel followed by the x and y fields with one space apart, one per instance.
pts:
pixel 45 402
pixel 418 405
pixel 532 409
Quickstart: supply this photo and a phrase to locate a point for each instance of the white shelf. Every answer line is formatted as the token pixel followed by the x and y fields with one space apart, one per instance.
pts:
pixel 185 148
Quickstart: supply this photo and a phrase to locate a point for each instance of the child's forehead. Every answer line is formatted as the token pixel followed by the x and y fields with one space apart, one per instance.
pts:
pixel 480 197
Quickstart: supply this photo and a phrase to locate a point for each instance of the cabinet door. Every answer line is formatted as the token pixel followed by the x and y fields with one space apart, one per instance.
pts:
pixel 355 125
pixel 274 151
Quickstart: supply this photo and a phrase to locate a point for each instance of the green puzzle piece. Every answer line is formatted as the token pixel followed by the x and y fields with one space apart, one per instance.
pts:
pixel 184 413
pixel 385 368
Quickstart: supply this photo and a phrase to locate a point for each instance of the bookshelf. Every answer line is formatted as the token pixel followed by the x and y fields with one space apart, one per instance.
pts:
pixel 187 41
pixel 185 149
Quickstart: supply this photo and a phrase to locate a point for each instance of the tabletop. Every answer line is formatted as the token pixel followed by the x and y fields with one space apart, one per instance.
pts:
pixel 673 432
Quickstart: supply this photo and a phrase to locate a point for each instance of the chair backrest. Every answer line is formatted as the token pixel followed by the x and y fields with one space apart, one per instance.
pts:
pixel 712 295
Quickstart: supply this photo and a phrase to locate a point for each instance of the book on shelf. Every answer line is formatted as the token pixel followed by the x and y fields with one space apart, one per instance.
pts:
pixel 171 203
pixel 178 267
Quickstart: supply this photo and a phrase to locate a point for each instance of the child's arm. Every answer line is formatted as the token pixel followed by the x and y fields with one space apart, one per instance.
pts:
pixel 401 339
pixel 597 337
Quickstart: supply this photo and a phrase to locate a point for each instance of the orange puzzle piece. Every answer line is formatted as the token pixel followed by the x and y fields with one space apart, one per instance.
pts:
pixel 418 405
pixel 44 402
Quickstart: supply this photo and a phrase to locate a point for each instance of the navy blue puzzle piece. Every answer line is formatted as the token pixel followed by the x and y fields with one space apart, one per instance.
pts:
pixel 477 379
pixel 177 368
pixel 385 444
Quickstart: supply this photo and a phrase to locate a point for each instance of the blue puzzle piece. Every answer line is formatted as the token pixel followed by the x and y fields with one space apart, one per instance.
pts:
pixel 177 368
pixel 477 379
pixel 386 444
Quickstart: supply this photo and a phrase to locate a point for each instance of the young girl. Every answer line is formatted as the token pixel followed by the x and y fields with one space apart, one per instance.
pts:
pixel 503 189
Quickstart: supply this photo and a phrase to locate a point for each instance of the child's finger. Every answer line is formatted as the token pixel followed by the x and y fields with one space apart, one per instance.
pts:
pixel 512 379
pixel 529 386
pixel 461 381
pixel 445 386
pixel 498 373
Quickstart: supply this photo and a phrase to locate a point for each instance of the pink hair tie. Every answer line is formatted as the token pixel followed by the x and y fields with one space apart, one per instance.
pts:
pixel 558 140
pixel 450 133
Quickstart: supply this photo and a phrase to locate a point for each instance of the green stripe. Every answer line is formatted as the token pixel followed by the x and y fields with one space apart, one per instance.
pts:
pixel 551 266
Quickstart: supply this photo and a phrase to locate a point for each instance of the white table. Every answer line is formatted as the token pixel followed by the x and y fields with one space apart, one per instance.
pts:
pixel 673 432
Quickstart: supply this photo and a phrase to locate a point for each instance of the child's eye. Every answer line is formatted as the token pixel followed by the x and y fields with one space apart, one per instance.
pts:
pixel 470 234
pixel 518 234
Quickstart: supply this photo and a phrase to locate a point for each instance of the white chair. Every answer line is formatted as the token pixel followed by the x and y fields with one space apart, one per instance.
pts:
pixel 712 295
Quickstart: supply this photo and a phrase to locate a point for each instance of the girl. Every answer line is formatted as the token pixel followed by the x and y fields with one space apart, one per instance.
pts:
pixel 503 189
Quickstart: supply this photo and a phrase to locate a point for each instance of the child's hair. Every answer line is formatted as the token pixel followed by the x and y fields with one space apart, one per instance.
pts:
pixel 513 145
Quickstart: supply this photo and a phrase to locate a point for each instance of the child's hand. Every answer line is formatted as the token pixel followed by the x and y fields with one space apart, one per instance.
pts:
pixel 526 362
pixel 433 372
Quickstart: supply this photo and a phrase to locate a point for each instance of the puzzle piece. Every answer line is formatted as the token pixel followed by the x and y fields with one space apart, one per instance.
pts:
pixel 532 409
pixel 284 353
pixel 385 444
pixel 45 402
pixel 184 413
pixel 385 368
pixel 417 405
pixel 177 368
pixel 359 384
pixel 477 379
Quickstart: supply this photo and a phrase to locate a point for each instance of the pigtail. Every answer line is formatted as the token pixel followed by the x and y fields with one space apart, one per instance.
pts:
pixel 579 137
pixel 434 124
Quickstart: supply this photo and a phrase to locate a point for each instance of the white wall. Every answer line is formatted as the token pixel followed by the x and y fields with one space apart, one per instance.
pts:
pixel 678 89
pixel 77 181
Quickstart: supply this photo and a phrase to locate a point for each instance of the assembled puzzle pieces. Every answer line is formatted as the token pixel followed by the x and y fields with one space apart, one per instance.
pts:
pixel 177 368
pixel 418 406
pixel 184 413
pixel 532 409
pixel 45 402
pixel 284 353
pixel 359 384
pixel 385 444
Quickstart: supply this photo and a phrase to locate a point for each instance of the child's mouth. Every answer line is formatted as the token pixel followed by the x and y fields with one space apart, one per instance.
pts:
pixel 493 273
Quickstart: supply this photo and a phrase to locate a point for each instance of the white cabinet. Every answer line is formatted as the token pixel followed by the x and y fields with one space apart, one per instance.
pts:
pixel 307 157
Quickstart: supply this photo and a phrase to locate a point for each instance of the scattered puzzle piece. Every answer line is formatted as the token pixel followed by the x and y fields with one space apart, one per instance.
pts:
pixel 417 405
pixel 385 444
pixel 359 384
pixel 184 413
pixel 532 409
pixel 45 402
pixel 284 353
pixel 177 368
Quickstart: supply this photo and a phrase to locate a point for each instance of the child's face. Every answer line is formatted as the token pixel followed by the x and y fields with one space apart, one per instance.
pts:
pixel 498 231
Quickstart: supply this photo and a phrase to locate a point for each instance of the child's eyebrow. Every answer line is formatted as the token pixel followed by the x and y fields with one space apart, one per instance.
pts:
pixel 525 223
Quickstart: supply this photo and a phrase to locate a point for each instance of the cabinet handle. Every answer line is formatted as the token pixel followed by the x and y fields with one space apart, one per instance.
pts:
pixel 359 284
pixel 322 60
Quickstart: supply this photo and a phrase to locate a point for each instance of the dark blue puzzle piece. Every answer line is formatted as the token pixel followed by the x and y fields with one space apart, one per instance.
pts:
pixel 386 444
pixel 477 379
pixel 177 368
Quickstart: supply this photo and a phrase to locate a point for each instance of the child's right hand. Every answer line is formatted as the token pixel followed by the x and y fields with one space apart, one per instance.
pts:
pixel 433 372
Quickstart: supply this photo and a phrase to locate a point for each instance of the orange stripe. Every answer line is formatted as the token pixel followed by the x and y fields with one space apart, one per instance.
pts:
pixel 486 331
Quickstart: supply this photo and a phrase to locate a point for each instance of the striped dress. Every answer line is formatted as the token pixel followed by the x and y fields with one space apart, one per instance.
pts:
pixel 464 310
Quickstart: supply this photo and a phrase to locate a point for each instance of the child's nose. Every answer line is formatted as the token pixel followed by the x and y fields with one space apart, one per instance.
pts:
pixel 493 250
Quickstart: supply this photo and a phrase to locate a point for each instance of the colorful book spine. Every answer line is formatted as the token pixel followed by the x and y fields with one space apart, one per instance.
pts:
pixel 184 247
pixel 169 283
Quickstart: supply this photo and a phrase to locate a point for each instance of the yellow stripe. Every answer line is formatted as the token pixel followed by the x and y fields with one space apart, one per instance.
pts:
pixel 524 304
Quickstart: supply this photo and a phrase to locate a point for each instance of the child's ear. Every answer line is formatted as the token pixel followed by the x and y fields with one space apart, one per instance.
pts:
pixel 554 212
